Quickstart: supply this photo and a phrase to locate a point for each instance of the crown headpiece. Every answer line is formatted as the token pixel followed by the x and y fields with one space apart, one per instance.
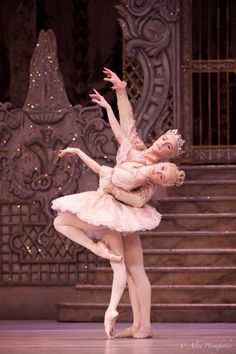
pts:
pixel 176 176
pixel 179 140
pixel 180 179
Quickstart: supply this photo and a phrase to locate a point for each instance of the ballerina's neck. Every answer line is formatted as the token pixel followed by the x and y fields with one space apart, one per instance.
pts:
pixel 150 156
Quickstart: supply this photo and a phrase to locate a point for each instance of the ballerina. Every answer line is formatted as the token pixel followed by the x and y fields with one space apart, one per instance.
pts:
pixel 89 216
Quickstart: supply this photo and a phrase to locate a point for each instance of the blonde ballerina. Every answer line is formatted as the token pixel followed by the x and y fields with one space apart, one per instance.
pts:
pixel 83 213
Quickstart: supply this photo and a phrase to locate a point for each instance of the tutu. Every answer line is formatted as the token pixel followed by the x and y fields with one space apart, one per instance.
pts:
pixel 102 209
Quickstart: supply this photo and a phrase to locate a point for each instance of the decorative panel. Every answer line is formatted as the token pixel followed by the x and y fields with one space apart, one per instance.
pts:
pixel 150 30
pixel 32 175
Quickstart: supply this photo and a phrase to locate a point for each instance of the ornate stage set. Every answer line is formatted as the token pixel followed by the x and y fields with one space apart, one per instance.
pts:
pixel 190 258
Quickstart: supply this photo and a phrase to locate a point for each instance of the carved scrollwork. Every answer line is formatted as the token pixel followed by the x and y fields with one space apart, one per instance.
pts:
pixel 8 122
pixel 149 40
pixel 139 7
pixel 223 65
pixel 214 155
pixel 170 10
pixel 96 134
pixel 3 164
pixel 150 32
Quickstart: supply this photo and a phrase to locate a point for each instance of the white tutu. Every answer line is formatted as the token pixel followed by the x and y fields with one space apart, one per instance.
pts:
pixel 102 209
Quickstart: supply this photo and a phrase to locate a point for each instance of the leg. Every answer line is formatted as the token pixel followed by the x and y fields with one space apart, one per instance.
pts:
pixel 136 309
pixel 140 287
pixel 75 229
pixel 114 241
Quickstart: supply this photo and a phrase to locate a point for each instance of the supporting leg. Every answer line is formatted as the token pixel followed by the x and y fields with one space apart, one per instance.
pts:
pixel 136 309
pixel 114 241
pixel 141 292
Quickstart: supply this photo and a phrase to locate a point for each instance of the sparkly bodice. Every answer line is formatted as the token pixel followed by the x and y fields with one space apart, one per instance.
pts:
pixel 127 154
pixel 127 179
pixel 125 174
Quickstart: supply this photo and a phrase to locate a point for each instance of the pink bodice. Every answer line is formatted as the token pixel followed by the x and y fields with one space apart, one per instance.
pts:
pixel 126 173
pixel 125 179
pixel 127 152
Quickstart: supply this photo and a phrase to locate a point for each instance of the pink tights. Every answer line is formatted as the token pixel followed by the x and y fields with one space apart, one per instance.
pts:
pixel 138 282
pixel 76 230
pixel 130 247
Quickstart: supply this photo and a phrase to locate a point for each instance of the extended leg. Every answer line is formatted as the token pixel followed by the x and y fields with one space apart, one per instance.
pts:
pixel 72 227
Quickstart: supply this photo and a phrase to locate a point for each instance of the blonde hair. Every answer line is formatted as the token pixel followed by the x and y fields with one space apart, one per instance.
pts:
pixel 176 176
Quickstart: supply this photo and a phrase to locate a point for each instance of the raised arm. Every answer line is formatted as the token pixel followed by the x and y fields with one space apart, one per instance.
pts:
pixel 91 163
pixel 125 109
pixel 127 121
pixel 136 198
pixel 115 126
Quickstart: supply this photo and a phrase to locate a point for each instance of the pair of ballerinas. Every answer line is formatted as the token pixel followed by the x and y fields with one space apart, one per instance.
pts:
pixel 118 209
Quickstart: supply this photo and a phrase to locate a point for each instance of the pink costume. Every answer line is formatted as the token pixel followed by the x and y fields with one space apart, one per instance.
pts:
pixel 102 209
pixel 126 173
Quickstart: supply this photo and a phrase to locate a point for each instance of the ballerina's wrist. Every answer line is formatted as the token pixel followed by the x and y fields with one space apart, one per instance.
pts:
pixel 120 87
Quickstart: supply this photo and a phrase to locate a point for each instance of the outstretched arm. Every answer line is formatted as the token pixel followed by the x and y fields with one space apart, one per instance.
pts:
pixel 136 198
pixel 125 109
pixel 91 163
pixel 115 126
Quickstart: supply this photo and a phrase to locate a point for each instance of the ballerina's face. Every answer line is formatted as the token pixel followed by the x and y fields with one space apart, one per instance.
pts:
pixel 166 146
pixel 162 173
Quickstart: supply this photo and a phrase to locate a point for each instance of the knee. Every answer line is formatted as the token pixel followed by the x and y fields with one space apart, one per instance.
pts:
pixel 118 266
pixel 58 222
pixel 138 273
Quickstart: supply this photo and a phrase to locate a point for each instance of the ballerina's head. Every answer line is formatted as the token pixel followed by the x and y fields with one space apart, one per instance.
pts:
pixel 166 174
pixel 167 145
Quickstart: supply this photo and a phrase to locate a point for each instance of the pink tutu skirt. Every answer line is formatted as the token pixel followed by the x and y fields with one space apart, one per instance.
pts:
pixel 102 209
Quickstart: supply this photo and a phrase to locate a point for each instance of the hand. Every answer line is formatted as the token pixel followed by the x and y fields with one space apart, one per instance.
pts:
pixel 68 152
pixel 114 79
pixel 99 99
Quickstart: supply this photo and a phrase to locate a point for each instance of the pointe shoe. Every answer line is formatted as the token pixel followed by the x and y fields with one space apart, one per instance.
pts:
pixel 102 251
pixel 109 322
pixel 127 333
pixel 142 333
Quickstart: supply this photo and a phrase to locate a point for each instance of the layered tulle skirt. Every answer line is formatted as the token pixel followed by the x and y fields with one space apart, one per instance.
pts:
pixel 102 209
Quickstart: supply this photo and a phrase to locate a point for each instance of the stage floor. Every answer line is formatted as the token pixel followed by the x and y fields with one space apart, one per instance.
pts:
pixel 48 337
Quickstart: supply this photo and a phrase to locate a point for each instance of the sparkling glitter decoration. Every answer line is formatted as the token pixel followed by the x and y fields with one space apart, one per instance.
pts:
pixel 46 88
